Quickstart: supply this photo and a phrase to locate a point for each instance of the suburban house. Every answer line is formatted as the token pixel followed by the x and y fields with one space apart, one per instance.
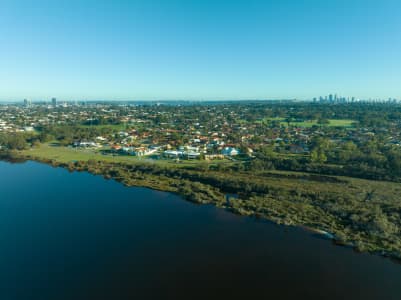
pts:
pixel 230 151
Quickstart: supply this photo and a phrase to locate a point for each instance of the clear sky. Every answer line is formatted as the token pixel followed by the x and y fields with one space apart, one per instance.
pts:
pixel 199 49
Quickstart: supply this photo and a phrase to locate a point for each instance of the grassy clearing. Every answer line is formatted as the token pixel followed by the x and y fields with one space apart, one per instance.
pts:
pixel 69 154
pixel 310 123
pixel 341 123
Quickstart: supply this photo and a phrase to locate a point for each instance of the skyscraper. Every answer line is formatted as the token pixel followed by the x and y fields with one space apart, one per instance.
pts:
pixel 54 101
pixel 27 102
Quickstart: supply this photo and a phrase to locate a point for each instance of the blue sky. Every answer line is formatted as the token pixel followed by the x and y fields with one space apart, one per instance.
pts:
pixel 182 49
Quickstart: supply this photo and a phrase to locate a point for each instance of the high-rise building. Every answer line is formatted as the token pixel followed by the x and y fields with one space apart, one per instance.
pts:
pixel 331 97
pixel 54 101
pixel 27 102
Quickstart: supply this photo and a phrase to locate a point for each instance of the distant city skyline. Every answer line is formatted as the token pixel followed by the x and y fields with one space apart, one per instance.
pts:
pixel 199 50
pixel 328 98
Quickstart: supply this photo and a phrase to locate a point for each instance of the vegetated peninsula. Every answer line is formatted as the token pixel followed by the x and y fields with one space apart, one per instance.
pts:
pixel 332 166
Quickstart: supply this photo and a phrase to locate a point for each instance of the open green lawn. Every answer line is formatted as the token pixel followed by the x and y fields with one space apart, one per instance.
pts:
pixel 68 154
pixel 341 123
pixel 310 123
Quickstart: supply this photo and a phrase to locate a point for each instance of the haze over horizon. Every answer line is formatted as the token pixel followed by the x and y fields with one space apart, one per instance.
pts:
pixel 199 50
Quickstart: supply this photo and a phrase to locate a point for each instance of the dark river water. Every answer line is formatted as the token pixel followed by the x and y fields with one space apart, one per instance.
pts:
pixel 78 236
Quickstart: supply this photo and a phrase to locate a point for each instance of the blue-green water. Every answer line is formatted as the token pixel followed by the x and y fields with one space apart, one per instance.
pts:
pixel 77 236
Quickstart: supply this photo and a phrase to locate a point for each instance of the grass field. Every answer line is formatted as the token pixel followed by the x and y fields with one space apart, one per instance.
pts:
pixel 68 154
pixel 310 123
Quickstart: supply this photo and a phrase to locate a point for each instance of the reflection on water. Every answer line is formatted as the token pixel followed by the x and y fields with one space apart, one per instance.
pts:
pixel 77 236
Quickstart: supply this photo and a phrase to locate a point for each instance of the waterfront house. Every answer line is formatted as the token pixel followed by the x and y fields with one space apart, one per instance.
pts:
pixel 230 151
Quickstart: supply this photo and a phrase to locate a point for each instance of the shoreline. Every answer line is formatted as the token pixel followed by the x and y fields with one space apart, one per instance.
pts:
pixel 190 190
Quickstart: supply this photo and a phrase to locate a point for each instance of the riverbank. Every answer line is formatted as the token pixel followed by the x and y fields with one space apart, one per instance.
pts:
pixel 361 213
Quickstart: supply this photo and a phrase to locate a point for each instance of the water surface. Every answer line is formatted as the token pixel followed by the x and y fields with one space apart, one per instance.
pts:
pixel 78 236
